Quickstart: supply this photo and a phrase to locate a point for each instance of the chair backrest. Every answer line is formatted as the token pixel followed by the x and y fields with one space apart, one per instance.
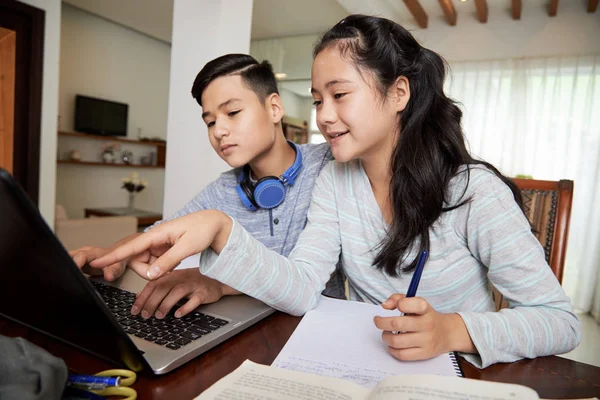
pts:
pixel 547 206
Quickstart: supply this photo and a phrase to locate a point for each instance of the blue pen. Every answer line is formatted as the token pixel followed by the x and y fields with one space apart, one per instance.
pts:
pixel 93 381
pixel 414 282
pixel 416 278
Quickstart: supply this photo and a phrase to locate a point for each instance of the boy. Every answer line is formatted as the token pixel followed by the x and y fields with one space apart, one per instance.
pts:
pixel 268 190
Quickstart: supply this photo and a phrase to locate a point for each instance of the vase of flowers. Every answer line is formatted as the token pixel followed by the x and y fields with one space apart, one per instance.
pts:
pixel 133 184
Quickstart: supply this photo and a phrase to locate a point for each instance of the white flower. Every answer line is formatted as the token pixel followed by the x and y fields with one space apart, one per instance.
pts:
pixel 134 182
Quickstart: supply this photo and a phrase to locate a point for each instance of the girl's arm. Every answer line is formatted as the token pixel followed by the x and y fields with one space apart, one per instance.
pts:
pixel 161 249
pixel 539 320
pixel 291 285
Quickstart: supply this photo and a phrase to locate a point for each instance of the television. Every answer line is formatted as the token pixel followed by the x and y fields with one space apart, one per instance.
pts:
pixel 100 117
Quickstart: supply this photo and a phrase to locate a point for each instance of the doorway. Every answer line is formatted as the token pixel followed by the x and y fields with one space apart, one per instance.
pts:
pixel 23 29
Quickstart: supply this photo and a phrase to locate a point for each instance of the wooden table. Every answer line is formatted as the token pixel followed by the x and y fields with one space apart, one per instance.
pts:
pixel 145 218
pixel 551 377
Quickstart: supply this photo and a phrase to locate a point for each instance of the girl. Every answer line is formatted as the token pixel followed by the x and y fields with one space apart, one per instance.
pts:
pixel 403 182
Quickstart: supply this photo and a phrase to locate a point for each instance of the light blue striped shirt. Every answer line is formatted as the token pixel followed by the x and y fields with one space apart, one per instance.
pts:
pixel 486 240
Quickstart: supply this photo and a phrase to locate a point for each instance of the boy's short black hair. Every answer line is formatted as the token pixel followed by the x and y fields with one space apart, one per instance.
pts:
pixel 259 77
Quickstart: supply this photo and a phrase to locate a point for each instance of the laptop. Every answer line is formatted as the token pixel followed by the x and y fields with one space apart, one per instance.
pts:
pixel 42 288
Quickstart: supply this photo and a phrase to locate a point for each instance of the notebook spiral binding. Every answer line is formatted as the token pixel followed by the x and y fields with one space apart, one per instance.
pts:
pixel 455 364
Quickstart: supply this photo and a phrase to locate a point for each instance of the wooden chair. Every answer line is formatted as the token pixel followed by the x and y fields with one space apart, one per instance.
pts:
pixel 547 205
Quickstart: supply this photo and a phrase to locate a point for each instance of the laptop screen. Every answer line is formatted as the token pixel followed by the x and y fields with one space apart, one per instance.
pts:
pixel 41 286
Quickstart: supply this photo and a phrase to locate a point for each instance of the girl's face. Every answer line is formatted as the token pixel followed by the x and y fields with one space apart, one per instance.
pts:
pixel 351 115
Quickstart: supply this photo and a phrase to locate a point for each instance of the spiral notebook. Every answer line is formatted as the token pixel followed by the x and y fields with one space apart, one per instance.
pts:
pixel 340 340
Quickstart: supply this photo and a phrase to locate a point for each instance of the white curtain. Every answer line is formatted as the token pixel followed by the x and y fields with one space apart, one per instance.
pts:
pixel 541 117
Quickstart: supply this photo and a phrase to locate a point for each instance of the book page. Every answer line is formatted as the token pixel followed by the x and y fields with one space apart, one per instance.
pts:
pixel 423 387
pixel 339 339
pixel 251 381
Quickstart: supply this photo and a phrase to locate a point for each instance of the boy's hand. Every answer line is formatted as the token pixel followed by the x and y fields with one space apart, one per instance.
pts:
pixel 85 255
pixel 163 247
pixel 424 333
pixel 162 294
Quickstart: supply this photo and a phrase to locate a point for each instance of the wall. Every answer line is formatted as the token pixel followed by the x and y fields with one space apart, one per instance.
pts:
pixel 191 161
pixel 291 102
pixel 294 105
pixel 79 186
pixel 297 54
pixel 49 105
pixel 102 59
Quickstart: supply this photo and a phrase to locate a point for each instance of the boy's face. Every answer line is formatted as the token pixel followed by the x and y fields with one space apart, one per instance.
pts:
pixel 240 127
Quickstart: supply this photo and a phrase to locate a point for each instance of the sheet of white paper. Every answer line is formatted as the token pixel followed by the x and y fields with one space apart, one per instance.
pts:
pixel 339 339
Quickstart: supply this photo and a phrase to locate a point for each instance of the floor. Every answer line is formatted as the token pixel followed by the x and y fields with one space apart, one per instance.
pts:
pixel 589 350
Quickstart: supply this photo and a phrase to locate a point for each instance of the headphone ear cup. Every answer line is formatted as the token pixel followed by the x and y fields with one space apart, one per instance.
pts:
pixel 246 193
pixel 269 192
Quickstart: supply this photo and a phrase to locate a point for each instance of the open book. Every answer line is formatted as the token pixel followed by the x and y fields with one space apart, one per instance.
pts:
pixel 260 382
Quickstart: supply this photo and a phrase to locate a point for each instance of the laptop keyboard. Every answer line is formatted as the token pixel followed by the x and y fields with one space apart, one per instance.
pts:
pixel 170 332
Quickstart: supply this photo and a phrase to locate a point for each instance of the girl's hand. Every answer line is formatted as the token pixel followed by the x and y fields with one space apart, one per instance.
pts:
pixel 163 247
pixel 423 332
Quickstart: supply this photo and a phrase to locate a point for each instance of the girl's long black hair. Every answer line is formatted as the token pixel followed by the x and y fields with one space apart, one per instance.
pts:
pixel 431 145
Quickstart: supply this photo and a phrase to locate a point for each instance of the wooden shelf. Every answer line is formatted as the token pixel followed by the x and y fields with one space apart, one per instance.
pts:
pixel 112 138
pixel 92 163
pixel 161 150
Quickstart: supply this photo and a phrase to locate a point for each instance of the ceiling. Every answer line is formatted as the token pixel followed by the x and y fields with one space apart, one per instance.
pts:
pixel 270 18
pixel 156 20
pixel 277 18
pixel 280 18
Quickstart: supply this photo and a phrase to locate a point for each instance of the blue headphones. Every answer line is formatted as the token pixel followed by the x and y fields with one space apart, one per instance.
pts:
pixel 268 192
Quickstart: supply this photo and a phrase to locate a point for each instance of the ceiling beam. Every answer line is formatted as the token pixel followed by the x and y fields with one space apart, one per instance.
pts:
pixel 417 12
pixel 553 8
pixel 482 10
pixel 592 5
pixel 516 9
pixel 449 11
